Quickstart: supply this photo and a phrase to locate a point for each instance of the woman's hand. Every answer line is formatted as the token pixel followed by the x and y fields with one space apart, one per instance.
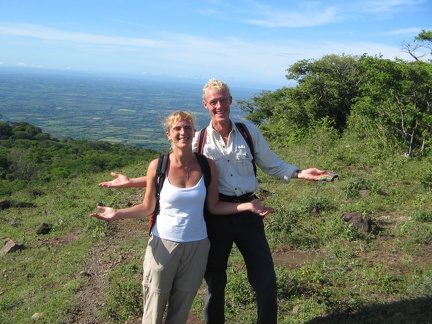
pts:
pixel 108 213
pixel 259 209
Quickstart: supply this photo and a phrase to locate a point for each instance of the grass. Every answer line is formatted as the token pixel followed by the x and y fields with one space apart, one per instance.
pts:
pixel 384 276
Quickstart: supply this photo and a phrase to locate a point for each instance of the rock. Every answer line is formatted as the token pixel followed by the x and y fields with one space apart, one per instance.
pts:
pixel 44 228
pixel 23 204
pixel 85 273
pixel 314 212
pixel 11 246
pixel 36 316
pixel 295 309
pixel 5 204
pixel 358 221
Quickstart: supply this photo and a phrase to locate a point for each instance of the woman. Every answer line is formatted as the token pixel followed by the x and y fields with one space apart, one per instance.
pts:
pixel 177 250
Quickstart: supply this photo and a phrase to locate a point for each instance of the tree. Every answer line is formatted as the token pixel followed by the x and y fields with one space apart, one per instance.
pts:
pixel 260 108
pixel 325 91
pixel 426 37
pixel 423 41
pixel 398 96
pixel 5 130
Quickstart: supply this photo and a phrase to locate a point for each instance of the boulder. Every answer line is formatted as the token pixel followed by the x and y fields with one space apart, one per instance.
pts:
pixel 358 221
pixel 11 246
pixel 44 228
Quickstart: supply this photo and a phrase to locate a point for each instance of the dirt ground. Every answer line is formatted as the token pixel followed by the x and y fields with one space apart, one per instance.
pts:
pixel 97 267
pixel 101 260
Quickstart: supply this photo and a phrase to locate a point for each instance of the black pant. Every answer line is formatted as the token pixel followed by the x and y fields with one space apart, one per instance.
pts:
pixel 246 230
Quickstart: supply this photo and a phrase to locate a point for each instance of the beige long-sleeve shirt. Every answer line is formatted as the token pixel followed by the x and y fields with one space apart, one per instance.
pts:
pixel 234 161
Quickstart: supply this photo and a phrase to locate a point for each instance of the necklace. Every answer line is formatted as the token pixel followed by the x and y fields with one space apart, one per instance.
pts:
pixel 187 168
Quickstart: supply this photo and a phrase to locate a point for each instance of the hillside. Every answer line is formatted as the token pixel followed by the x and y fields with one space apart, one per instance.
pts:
pixel 356 250
pixel 329 270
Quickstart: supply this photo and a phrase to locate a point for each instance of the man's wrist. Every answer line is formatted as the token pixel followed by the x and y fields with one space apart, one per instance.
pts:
pixel 295 174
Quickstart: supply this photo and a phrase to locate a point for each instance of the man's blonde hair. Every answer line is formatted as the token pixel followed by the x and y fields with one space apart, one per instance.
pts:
pixel 176 116
pixel 217 85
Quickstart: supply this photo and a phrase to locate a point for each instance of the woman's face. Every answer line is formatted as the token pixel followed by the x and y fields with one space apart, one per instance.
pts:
pixel 181 133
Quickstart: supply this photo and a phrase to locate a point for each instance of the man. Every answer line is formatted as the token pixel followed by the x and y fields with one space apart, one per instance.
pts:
pixel 237 183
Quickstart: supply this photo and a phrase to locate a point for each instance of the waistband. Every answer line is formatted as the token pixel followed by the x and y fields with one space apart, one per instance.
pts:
pixel 238 199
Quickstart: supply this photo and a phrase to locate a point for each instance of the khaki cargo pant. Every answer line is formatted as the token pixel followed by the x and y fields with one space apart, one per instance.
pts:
pixel 173 273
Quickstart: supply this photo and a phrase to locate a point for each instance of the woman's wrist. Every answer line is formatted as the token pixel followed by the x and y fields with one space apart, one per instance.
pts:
pixel 246 206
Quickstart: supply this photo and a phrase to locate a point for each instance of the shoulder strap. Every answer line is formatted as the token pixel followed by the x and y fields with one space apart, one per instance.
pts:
pixel 246 135
pixel 205 168
pixel 160 178
pixel 202 135
pixel 248 138
pixel 160 173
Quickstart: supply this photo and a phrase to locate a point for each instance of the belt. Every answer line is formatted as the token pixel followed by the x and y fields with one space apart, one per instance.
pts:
pixel 238 199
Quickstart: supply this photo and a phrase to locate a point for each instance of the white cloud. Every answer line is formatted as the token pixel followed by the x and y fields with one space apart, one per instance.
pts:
pixel 268 60
pixel 319 13
pixel 406 31
pixel 186 54
pixel 297 19
pixel 44 33
pixel 389 6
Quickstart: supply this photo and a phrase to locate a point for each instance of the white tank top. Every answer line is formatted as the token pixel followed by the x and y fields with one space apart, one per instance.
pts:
pixel 181 215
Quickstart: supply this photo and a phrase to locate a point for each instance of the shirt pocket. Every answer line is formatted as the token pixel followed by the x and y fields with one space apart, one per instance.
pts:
pixel 213 153
pixel 244 163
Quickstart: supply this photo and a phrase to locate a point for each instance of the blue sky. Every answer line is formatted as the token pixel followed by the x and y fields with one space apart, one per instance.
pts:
pixel 236 41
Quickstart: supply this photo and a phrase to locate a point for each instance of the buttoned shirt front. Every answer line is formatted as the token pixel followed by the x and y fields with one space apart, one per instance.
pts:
pixel 234 160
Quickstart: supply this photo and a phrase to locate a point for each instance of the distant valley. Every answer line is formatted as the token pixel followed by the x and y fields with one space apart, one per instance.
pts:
pixel 117 110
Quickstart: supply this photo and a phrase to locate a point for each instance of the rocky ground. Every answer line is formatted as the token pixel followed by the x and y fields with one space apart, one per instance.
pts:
pixel 97 268
pixel 98 265
pixel 101 260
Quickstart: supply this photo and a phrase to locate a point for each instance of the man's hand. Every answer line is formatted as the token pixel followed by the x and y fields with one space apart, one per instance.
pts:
pixel 120 181
pixel 316 174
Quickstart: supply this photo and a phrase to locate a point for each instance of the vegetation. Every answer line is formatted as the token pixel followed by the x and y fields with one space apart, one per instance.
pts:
pixel 366 118
pixel 369 96
pixel 29 155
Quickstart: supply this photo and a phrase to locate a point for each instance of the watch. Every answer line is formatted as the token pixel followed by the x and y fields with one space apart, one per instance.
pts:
pixel 296 173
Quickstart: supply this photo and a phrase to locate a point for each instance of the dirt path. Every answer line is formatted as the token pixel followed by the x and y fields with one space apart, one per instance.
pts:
pixel 97 266
pixel 100 261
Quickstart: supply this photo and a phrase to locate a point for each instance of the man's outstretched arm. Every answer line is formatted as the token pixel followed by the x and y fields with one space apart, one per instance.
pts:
pixel 122 181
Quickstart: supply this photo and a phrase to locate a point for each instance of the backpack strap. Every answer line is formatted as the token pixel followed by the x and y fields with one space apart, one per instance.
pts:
pixel 246 135
pixel 248 138
pixel 205 168
pixel 160 178
pixel 161 173
pixel 202 135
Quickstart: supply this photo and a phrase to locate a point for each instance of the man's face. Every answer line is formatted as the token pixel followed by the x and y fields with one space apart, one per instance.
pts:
pixel 218 104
